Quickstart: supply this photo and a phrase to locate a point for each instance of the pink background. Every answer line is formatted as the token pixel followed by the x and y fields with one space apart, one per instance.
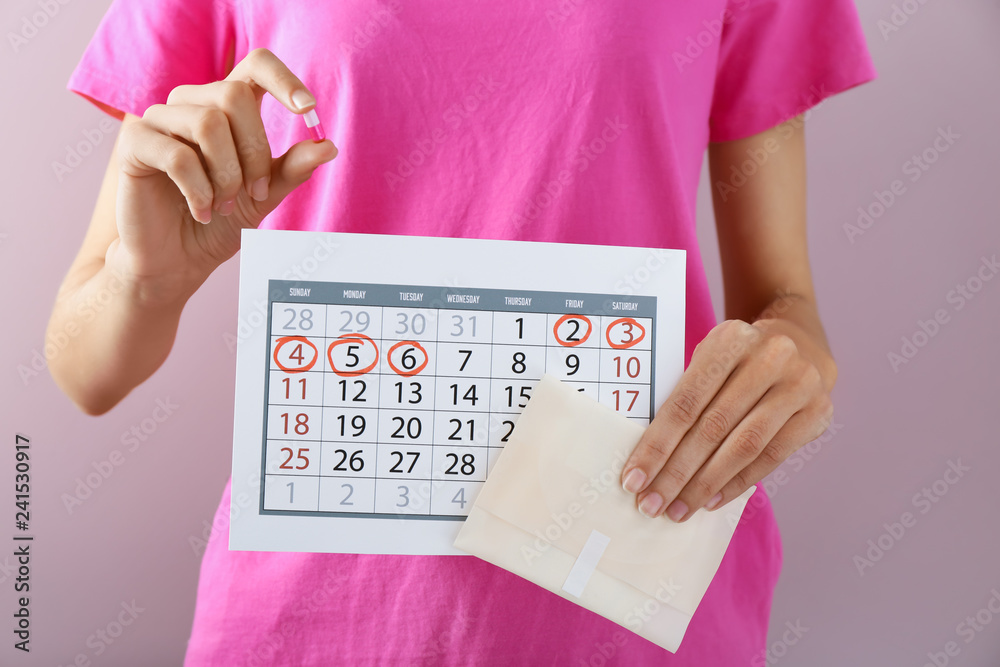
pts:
pixel 896 430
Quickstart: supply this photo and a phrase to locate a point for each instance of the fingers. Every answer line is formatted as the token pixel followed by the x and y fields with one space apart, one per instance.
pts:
pixel 711 364
pixel 239 96
pixel 748 400
pixel 799 429
pixel 752 443
pixel 235 100
pixel 144 151
pixel 208 129
pixel 727 419
pixel 264 72
pixel 802 386
pixel 294 168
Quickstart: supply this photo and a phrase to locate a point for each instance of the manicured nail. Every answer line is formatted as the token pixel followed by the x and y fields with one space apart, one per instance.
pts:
pixel 711 504
pixel 259 189
pixel 203 216
pixel 302 100
pixel 677 510
pixel 227 207
pixel 651 504
pixel 634 480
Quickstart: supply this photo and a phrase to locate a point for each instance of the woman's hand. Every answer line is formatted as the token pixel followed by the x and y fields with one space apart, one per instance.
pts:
pixel 197 170
pixel 751 396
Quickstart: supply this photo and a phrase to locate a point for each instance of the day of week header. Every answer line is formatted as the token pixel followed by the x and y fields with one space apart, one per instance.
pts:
pixel 624 305
pixel 463 298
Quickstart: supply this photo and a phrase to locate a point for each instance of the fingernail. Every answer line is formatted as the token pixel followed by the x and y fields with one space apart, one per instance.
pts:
pixel 259 189
pixel 634 480
pixel 227 207
pixel 710 505
pixel 651 504
pixel 677 510
pixel 203 216
pixel 302 100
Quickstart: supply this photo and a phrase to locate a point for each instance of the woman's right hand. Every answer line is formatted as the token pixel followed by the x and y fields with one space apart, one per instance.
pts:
pixel 197 170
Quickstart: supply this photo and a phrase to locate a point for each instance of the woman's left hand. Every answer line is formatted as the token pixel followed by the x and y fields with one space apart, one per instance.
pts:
pixel 752 395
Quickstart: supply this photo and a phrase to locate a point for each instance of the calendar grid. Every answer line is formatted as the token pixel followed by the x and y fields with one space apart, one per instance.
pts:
pixel 432 462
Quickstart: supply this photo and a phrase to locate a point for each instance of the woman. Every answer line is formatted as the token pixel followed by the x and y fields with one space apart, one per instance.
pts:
pixel 575 121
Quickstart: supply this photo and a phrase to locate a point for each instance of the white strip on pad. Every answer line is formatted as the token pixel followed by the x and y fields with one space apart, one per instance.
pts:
pixel 586 563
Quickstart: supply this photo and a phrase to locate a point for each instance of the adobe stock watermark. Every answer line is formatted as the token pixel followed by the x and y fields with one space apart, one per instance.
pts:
pixel 967 630
pixel 323 597
pixel 32 24
pixel 740 175
pixel 564 9
pixel 923 502
pixel 378 20
pixel 773 654
pixel 697 44
pixel 452 118
pixel 605 652
pixel 448 642
pixel 638 616
pixel 632 282
pixel 914 168
pixel 219 525
pixel 960 296
pixel 75 153
pixel 104 637
pixel 323 250
pixel 57 341
pixel 419 497
pixel 590 492
pixel 781 477
pixel 132 439
pixel 581 160
pixel 900 15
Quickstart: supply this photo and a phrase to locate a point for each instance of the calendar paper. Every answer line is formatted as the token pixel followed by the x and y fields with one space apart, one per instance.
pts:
pixel 379 377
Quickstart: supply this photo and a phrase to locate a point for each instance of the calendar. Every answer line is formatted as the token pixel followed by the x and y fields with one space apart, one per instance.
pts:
pixel 378 377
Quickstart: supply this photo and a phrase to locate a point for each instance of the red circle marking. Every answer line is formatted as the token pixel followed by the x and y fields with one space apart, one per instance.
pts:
pixel 555 330
pixel 414 371
pixel 348 338
pixel 298 339
pixel 633 342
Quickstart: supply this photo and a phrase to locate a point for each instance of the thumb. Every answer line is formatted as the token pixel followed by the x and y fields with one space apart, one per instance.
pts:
pixel 294 168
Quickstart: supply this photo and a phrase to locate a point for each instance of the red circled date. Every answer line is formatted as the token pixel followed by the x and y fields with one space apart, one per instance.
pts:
pixel 409 359
pixel 356 342
pixel 628 335
pixel 573 337
pixel 296 354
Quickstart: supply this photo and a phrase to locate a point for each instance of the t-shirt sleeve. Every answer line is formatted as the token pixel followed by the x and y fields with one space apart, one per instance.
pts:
pixel 779 58
pixel 143 49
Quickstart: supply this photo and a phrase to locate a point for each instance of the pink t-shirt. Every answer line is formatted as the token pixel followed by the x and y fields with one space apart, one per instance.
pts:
pixel 575 121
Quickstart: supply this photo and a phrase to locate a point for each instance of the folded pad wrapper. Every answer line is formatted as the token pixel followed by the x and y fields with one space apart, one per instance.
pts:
pixel 553 511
